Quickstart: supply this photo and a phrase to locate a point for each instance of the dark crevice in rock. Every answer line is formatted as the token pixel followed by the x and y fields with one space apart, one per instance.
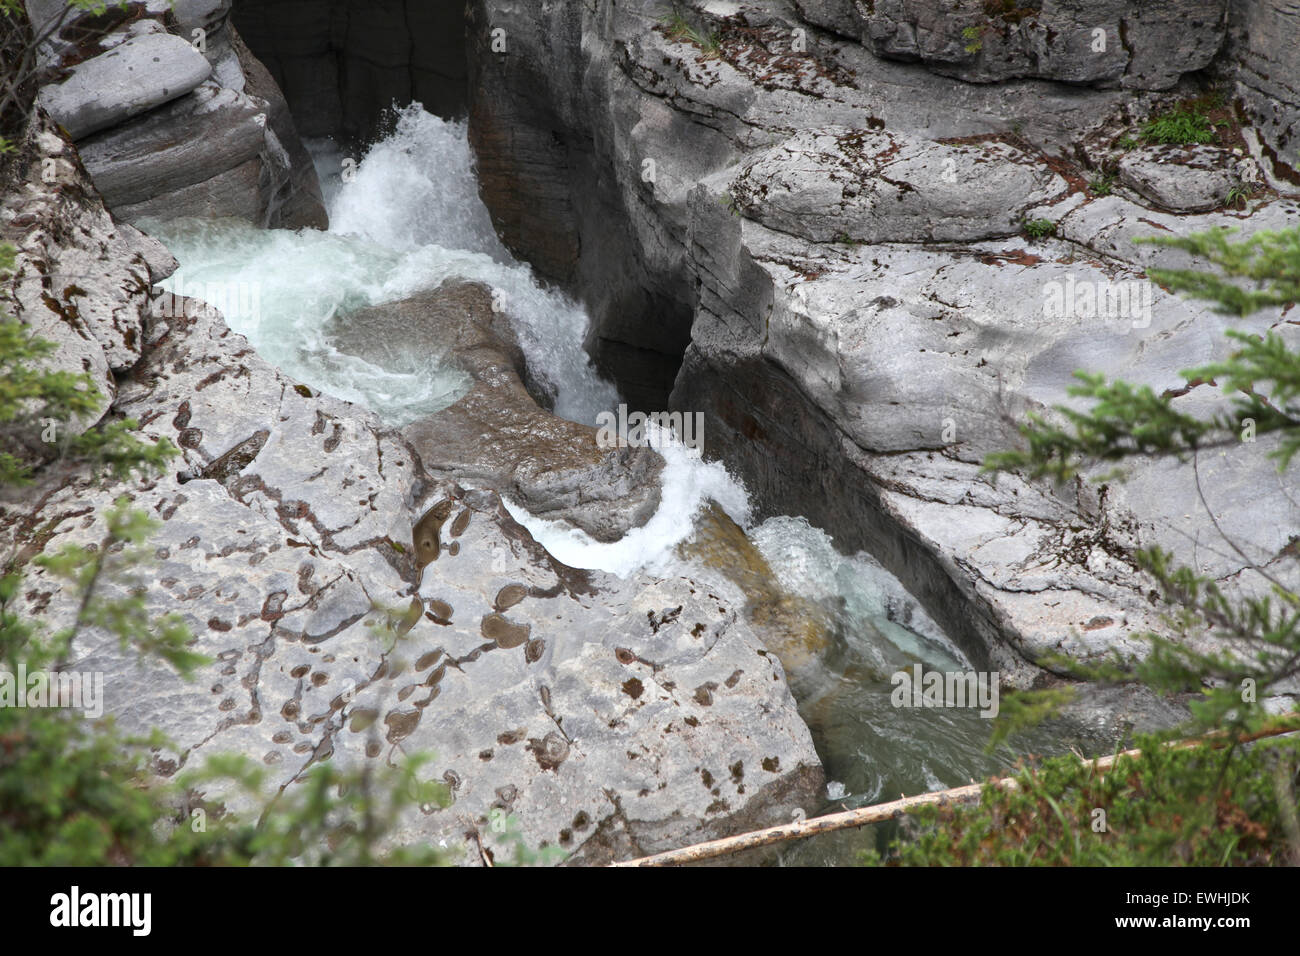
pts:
pixel 557 206
pixel 343 63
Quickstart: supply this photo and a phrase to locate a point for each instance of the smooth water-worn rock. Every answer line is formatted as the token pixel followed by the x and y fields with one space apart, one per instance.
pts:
pixel 1181 179
pixel 187 142
pixel 496 435
pixel 609 717
pixel 797 630
pixel 204 22
pixel 178 125
pixel 859 185
pixel 144 72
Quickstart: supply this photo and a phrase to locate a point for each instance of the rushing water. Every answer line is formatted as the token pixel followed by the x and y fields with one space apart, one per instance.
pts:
pixel 407 217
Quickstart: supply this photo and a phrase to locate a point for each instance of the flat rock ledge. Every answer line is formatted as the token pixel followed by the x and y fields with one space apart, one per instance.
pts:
pixel 357 608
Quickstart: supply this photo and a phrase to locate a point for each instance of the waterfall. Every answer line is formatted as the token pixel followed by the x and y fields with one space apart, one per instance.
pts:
pixel 404 218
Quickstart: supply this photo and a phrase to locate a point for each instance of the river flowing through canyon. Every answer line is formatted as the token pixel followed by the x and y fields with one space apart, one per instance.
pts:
pixel 407 217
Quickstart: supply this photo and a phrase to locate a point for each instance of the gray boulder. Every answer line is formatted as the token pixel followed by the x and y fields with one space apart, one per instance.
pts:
pixel 208 154
pixel 496 435
pixel 224 145
pixel 1139 44
pixel 876 186
pixel 209 16
pixel 184 143
pixel 839 16
pixel 130 79
pixel 1181 179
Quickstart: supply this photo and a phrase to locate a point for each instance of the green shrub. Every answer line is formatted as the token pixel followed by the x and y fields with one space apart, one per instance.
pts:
pixel 1180 127
pixel 1230 798
pixel 1187 806
pixel 1038 228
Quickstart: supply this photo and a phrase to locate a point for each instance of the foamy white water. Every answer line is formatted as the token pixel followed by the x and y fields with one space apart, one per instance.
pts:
pixel 688 483
pixel 403 220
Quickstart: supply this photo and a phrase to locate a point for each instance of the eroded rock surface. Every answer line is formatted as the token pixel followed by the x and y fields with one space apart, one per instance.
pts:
pixel 841 183
pixel 183 123
pixel 1181 179
pixel 861 384
pixel 496 435
pixel 1140 44
pixel 65 287
pixel 1266 69
pixel 610 717
pixel 131 78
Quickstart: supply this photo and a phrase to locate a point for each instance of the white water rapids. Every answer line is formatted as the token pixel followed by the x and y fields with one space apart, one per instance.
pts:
pixel 406 218
pixel 403 220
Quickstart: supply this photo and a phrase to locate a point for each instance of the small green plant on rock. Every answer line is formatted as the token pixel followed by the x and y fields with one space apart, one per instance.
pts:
pixel 1038 228
pixel 1180 127
pixel 679 29
pixel 1163 807
pixel 1240 193
pixel 1102 184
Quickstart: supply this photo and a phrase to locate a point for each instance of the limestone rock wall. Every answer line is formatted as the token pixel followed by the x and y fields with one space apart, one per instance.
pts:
pixel 859 374
pixel 174 117
pixel 1265 60
pixel 1137 44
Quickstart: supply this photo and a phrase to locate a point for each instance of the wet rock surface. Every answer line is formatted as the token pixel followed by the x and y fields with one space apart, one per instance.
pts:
pixel 344 63
pixel 496 435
